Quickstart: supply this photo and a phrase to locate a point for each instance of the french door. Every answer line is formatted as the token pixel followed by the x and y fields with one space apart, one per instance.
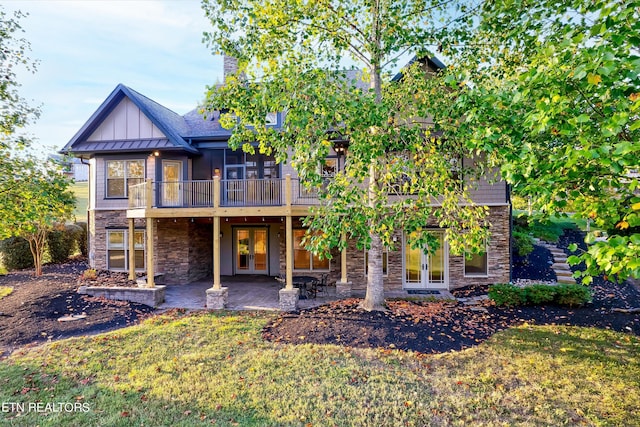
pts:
pixel 171 183
pixel 251 255
pixel 426 270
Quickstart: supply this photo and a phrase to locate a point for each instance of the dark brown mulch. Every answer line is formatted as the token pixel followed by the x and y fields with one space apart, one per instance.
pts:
pixel 30 314
pixel 437 327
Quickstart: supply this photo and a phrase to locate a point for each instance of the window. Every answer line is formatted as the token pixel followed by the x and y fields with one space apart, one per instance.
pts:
pixel 476 265
pixel 302 258
pixel 271 119
pixel 385 262
pixel 118 248
pixel 329 167
pixel 121 174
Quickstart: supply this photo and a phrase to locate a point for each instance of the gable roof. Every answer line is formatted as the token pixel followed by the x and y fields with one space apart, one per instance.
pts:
pixel 170 123
pixel 431 62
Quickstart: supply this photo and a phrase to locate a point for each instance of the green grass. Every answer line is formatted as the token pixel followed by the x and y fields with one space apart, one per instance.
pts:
pixel 214 369
pixel 81 190
pixel 5 291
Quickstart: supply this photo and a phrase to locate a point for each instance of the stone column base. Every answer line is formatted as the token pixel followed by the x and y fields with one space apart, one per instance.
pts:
pixel 217 298
pixel 343 289
pixel 289 299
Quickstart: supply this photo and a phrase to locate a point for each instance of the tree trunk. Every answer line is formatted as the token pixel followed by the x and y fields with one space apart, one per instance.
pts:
pixel 374 298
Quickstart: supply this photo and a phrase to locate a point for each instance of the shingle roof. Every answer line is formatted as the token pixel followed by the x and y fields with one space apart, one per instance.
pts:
pixel 170 123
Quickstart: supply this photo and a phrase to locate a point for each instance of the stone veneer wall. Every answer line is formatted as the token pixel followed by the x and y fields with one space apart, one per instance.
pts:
pixel 200 251
pixel 183 250
pixel 99 221
pixel 499 260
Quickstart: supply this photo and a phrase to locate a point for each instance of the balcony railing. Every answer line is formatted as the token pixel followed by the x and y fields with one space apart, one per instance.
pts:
pixel 227 193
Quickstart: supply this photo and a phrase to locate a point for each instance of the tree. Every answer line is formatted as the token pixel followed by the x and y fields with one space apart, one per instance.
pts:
pixel 39 202
pixel 291 56
pixel 556 98
pixel 34 196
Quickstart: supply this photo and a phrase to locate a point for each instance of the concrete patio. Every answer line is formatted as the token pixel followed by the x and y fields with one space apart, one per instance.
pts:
pixel 245 293
pixel 260 293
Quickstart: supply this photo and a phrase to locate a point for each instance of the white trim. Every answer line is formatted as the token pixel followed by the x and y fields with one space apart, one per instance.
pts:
pixel 425 262
pixel 125 248
pixel 478 275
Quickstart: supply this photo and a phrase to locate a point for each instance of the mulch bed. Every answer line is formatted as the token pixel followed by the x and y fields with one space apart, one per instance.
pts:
pixel 29 315
pixel 437 327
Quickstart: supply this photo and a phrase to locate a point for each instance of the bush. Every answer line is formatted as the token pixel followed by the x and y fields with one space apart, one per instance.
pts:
pixel 16 254
pixel 572 295
pixel 63 243
pixel 510 295
pixel 523 243
pixel 82 238
pixel 539 294
pixel 506 294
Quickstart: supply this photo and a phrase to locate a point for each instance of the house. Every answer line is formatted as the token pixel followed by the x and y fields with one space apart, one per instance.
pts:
pixel 167 196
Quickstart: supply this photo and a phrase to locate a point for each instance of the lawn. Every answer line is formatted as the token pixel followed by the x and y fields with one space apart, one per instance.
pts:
pixel 215 369
pixel 81 190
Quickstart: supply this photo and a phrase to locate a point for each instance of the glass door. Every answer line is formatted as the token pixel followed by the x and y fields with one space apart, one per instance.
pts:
pixel 171 183
pixel 426 270
pixel 251 253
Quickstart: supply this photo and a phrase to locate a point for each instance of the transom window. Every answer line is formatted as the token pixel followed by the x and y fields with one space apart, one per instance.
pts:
pixel 121 174
pixel 304 259
pixel 118 249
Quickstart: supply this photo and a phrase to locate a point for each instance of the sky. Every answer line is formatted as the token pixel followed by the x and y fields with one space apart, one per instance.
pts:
pixel 85 48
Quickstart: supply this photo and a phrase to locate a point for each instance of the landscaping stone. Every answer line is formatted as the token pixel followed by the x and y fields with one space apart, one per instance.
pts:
pixel 147 296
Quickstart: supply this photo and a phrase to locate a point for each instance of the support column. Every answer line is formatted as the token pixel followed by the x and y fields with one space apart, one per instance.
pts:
pixel 217 296
pixel 150 256
pixel 343 287
pixel 289 295
pixel 132 250
pixel 216 252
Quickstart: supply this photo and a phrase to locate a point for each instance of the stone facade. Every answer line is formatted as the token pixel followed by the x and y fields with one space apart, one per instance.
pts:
pixel 499 259
pixel 183 249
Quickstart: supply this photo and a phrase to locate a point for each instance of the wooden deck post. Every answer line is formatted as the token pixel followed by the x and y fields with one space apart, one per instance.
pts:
pixel 343 260
pixel 149 250
pixel 216 191
pixel 149 193
pixel 216 252
pixel 132 250
pixel 288 234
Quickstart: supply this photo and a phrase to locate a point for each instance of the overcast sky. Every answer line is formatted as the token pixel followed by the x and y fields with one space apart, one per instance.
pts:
pixel 86 48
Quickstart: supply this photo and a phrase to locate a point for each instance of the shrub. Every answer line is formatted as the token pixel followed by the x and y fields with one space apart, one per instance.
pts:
pixel 82 238
pixel 539 294
pixel 523 243
pixel 506 294
pixel 16 254
pixel 62 243
pixel 572 295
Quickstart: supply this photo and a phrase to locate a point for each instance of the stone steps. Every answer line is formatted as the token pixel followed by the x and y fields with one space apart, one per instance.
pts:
pixel 563 271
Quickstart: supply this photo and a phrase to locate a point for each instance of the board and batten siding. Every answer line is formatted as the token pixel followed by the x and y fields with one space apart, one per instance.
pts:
pixel 99 165
pixel 126 122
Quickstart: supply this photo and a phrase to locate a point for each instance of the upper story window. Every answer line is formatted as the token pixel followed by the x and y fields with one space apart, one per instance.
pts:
pixel 271 119
pixel 121 174
pixel 330 167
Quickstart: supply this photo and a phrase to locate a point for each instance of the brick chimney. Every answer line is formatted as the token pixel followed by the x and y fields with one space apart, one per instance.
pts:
pixel 230 65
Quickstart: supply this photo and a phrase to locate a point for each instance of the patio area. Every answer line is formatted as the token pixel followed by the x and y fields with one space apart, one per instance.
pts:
pixel 245 293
